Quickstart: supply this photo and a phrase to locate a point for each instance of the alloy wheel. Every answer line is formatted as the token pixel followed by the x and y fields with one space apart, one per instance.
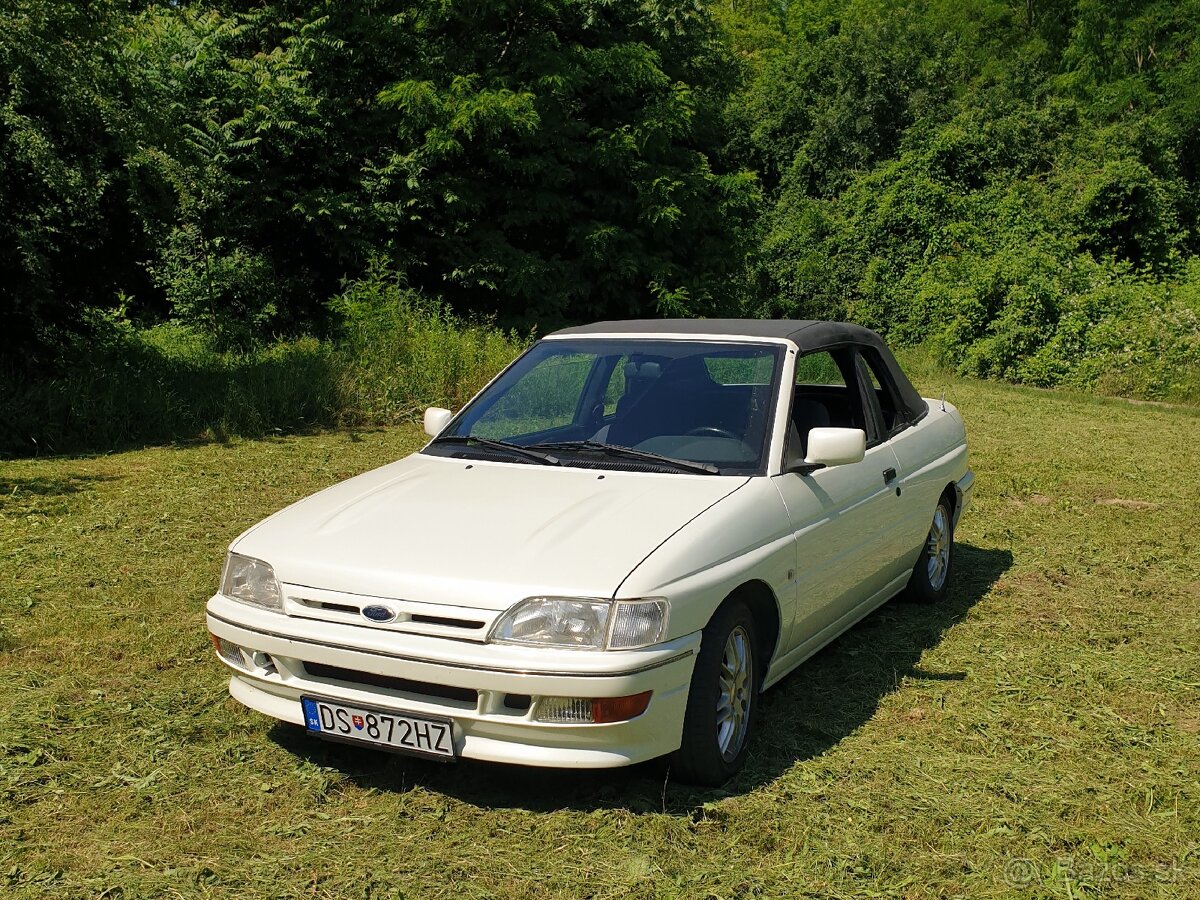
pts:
pixel 937 549
pixel 733 701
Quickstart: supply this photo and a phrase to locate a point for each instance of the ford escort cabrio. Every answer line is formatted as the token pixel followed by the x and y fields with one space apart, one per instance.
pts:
pixel 608 554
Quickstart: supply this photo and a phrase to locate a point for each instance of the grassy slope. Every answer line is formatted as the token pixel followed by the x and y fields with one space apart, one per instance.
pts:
pixel 1049 711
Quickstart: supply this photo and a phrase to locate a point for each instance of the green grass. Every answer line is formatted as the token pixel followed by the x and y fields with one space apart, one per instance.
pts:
pixel 1036 735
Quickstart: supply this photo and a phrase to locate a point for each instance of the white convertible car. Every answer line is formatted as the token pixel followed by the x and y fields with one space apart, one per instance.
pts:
pixel 608 553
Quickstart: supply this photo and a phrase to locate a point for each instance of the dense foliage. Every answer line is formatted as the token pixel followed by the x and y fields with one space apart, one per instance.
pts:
pixel 545 160
pixel 68 239
pixel 1013 184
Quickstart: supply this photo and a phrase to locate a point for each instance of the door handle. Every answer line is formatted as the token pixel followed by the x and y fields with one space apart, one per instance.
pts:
pixel 889 475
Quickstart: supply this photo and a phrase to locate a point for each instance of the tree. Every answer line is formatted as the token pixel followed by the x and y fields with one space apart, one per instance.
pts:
pixel 961 173
pixel 546 160
pixel 67 238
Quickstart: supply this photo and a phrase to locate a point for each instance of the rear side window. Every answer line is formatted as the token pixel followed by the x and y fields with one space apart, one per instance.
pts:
pixel 624 373
pixel 755 370
pixel 819 368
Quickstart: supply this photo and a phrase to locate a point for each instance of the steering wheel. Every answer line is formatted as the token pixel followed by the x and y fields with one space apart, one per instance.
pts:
pixel 713 431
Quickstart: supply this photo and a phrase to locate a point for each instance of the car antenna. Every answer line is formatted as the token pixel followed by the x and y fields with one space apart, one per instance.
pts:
pixel 943 399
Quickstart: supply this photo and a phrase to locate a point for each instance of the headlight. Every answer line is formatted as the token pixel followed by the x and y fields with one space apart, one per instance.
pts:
pixel 583 623
pixel 251 581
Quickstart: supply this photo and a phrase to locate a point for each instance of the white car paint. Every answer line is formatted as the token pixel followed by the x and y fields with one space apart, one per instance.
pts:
pixel 400 530
pixel 460 541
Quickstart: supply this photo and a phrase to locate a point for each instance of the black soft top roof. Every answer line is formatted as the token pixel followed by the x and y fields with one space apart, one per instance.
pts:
pixel 807 334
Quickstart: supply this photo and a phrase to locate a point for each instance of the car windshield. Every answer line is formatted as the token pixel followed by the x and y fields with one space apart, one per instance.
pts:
pixel 626 403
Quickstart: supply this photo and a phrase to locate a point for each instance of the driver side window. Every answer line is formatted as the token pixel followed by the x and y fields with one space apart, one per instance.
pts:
pixel 825 395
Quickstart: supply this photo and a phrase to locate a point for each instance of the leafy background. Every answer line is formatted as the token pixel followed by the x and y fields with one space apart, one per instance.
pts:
pixel 240 218
pixel 234 217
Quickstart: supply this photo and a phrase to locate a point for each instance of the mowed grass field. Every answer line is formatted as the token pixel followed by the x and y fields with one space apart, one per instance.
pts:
pixel 1036 735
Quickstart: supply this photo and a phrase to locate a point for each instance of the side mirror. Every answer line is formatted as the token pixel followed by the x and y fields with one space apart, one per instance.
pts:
pixel 832 447
pixel 436 419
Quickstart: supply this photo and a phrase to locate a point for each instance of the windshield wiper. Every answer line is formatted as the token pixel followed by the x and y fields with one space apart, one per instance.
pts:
pixel 544 458
pixel 631 453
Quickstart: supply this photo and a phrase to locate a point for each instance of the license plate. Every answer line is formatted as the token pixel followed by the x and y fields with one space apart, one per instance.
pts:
pixel 382 728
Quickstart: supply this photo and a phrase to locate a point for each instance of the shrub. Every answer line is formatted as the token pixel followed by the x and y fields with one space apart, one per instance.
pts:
pixel 1128 336
pixel 399 352
pixel 131 386
pixel 396 353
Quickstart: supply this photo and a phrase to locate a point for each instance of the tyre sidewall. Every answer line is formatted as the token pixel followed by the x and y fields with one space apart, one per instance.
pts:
pixel 919 588
pixel 699 759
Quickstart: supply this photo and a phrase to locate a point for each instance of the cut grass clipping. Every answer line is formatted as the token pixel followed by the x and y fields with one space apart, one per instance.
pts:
pixel 1037 734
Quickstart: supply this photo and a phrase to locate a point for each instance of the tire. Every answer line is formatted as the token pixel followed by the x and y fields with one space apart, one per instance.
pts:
pixel 715 735
pixel 930 577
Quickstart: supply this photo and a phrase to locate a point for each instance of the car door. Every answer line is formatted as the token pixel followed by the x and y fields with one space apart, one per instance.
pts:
pixel 843 516
pixel 919 486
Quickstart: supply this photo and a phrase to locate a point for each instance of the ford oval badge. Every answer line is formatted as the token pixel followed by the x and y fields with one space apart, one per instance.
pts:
pixel 377 613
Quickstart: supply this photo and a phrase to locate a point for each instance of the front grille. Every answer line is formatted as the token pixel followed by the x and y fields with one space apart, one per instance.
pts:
pixel 445 621
pixel 336 607
pixel 348 609
pixel 407 685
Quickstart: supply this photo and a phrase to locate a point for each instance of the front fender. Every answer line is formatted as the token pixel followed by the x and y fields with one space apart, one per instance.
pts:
pixel 746 536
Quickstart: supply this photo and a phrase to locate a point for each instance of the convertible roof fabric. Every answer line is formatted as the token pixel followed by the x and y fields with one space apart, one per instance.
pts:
pixel 807 334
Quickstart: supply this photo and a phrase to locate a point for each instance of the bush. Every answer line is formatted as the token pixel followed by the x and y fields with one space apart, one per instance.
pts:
pixel 396 353
pixel 129 386
pixel 399 352
pixel 1127 336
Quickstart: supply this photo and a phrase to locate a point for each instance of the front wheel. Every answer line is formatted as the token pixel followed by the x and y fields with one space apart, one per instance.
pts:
pixel 722 700
pixel 931 574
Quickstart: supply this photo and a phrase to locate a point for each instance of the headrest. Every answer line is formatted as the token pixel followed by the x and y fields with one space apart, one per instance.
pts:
pixel 688 368
pixel 646 371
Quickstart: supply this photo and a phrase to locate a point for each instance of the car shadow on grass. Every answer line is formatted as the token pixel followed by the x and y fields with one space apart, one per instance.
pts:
pixel 41 486
pixel 48 496
pixel 818 705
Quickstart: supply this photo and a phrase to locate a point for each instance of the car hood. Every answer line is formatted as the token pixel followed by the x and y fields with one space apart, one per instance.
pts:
pixel 479 534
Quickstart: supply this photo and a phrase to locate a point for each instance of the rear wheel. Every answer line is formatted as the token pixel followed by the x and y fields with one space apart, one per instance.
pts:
pixel 722 700
pixel 931 574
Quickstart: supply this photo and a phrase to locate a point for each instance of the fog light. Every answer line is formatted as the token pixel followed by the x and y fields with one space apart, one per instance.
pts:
pixel 229 651
pixel 574 710
pixel 564 709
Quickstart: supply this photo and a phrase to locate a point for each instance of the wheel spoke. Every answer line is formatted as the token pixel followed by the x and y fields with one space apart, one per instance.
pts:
pixel 937 549
pixel 733 702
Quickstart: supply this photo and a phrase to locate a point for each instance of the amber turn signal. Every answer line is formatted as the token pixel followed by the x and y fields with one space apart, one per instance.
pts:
pixel 618 709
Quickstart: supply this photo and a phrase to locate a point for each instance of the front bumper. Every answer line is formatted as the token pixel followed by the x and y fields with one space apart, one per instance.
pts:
pixel 471 684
